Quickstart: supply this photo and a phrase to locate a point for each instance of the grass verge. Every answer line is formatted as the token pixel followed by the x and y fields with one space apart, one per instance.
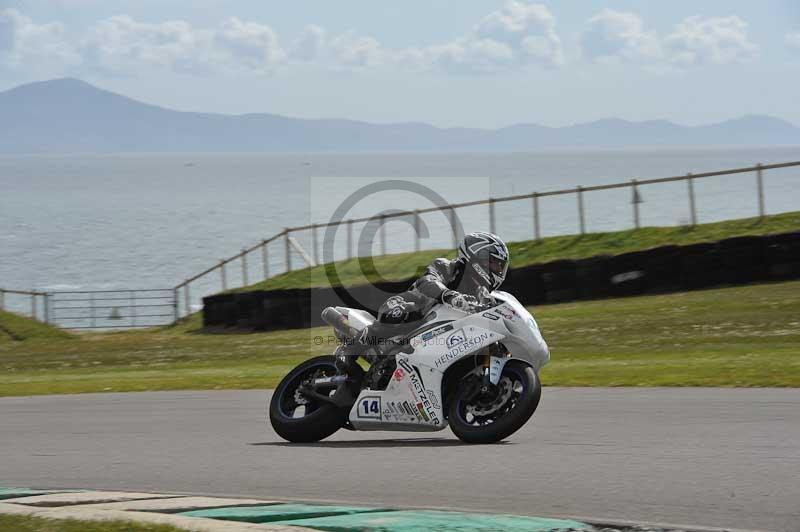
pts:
pixel 25 523
pixel 406 265
pixel 15 328
pixel 740 336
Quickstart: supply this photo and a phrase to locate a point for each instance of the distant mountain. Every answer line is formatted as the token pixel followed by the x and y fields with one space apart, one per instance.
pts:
pixel 71 116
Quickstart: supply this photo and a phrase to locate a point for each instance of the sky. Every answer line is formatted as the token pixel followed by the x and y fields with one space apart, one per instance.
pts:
pixel 450 63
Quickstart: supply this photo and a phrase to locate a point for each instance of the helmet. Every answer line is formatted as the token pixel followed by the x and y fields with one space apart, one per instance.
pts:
pixel 487 257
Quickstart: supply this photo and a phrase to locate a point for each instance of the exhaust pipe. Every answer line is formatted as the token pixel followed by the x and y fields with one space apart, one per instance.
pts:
pixel 339 322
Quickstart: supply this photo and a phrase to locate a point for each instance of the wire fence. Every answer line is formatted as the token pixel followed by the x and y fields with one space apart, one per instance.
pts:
pixel 111 309
pixel 95 309
pixel 132 308
pixel 33 301
pixel 294 254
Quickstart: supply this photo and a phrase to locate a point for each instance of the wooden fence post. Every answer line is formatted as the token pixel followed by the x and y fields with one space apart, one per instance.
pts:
pixel 635 201
pixel 222 275
pixel 491 216
pixel 287 250
pixel 265 259
pixel 244 268
pixel 760 181
pixel 692 207
pixel 187 298
pixel 349 239
pixel 314 244
pixel 581 216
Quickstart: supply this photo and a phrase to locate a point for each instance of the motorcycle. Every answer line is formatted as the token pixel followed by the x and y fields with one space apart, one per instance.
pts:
pixel 476 371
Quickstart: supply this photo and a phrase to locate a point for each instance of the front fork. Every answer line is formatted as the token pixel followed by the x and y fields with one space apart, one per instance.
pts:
pixel 493 363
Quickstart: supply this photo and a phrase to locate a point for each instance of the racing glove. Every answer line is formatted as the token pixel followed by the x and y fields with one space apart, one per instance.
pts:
pixel 459 301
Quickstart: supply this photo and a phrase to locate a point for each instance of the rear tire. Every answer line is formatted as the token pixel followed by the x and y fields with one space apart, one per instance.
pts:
pixel 510 416
pixel 319 419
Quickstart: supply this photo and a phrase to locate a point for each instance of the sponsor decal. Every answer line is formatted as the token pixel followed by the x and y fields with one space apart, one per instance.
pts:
pixel 369 408
pixel 456 338
pixel 490 316
pixel 393 412
pixel 395 301
pixel 424 404
pixel 506 312
pixel 436 332
pixel 398 374
pixel 464 347
pixel 482 273
pixel 396 312
pixel 432 396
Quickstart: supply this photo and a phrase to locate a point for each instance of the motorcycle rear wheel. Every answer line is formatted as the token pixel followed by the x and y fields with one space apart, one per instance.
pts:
pixel 495 415
pixel 319 419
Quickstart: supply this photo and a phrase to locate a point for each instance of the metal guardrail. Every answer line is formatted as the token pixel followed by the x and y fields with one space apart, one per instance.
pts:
pixel 289 243
pixel 534 197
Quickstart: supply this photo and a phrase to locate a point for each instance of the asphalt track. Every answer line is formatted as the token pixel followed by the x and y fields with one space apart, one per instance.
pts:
pixel 712 457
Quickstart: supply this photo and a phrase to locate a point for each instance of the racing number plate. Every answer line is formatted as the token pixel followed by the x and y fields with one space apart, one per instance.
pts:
pixel 369 407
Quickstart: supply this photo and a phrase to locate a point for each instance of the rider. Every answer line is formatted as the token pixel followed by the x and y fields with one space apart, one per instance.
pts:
pixel 482 264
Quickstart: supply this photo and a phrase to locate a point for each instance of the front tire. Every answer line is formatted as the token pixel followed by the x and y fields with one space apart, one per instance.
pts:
pixel 488 417
pixel 318 419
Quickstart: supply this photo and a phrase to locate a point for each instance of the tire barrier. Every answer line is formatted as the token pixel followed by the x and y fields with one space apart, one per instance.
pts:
pixel 734 261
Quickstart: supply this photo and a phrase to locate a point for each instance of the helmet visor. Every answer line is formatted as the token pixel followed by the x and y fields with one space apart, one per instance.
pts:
pixel 498 267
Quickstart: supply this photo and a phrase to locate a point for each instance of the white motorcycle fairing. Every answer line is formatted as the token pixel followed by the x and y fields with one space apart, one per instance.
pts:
pixel 413 399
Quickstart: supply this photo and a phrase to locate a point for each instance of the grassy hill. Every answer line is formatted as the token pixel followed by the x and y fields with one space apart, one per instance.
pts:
pixel 405 265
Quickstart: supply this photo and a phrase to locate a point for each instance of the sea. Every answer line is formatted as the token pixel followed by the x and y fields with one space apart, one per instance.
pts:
pixel 108 222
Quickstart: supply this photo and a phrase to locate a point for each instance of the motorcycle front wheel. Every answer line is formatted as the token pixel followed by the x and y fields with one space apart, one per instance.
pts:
pixel 488 415
pixel 301 419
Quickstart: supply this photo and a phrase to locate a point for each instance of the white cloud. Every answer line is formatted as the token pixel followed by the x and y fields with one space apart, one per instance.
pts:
pixel 618 35
pixel 695 41
pixel 8 31
pixel 349 49
pixel 121 43
pixel 346 50
pixel 310 45
pixel 528 32
pixel 517 35
pixel 253 44
pixel 715 40
pixel 35 46
pixel 793 40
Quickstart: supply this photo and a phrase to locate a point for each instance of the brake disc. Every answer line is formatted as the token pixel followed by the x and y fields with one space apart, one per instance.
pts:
pixel 299 399
pixel 505 389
